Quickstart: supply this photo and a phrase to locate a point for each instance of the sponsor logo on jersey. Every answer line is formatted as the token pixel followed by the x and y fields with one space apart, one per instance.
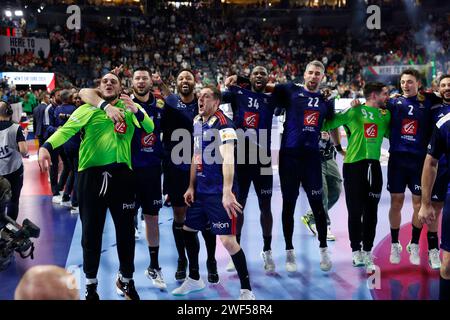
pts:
pixel 157 202
pixel 120 127
pixel 316 192
pixel 435 197
pixel 266 191
pixel 212 121
pixel 148 140
pixel 220 225
pixel 311 118
pixel 129 206
pixel 417 188
pixel 370 130
pixel 409 126
pixel 251 120
pixel 375 195
pixel 160 103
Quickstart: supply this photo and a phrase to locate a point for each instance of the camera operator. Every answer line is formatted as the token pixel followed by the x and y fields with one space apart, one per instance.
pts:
pixel 12 147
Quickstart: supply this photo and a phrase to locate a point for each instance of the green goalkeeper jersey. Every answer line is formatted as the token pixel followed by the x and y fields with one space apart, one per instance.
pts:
pixel 103 142
pixel 365 127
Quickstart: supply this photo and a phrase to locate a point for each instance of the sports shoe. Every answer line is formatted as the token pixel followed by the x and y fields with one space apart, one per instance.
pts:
pixel 127 290
pixel 156 276
pixel 357 258
pixel 325 261
pixel 330 235
pixel 57 199
pixel 213 276
pixel 230 266
pixel 291 264
pixel 368 261
pixel 308 221
pixel 414 256
pixel 396 250
pixel 67 203
pixel 189 285
pixel 180 274
pixel 74 210
pixel 91 292
pixel 269 264
pixel 433 259
pixel 137 235
pixel 246 295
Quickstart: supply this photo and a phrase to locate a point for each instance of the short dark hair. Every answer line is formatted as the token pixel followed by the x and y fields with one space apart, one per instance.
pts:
pixel 371 87
pixel 444 76
pixel 66 96
pixel 187 70
pixel 142 68
pixel 411 72
pixel 216 92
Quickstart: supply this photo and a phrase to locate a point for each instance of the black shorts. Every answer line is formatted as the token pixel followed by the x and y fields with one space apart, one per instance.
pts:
pixel 148 189
pixel 304 169
pixel 405 169
pixel 262 177
pixel 176 183
pixel 440 185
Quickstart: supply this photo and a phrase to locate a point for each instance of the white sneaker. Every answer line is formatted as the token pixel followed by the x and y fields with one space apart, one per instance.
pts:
pixel 414 256
pixel 269 264
pixel 189 285
pixel 57 199
pixel 330 235
pixel 325 261
pixel 66 203
pixel 396 250
pixel 246 295
pixel 368 261
pixel 433 259
pixel 137 236
pixel 74 210
pixel 291 264
pixel 357 258
pixel 157 277
pixel 230 266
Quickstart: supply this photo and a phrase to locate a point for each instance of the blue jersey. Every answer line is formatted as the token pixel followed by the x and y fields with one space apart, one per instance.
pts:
pixel 146 148
pixel 411 123
pixel 61 115
pixel 440 140
pixel 208 136
pixel 251 111
pixel 439 111
pixel 177 115
pixel 305 113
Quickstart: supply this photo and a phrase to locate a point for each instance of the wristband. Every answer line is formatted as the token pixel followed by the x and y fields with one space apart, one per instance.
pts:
pixel 102 104
pixel 338 148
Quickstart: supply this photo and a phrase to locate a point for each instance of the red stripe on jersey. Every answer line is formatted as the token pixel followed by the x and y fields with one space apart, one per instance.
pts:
pixel 221 117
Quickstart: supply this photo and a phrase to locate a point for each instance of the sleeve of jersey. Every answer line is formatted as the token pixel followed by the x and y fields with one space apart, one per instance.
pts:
pixel 228 96
pixel 390 104
pixel 279 95
pixel 338 120
pixel 227 134
pixel 171 101
pixel 436 148
pixel 77 120
pixel 141 119
pixel 330 109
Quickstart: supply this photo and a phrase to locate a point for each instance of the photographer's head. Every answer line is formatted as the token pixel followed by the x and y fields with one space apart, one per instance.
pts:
pixel 47 283
pixel 6 110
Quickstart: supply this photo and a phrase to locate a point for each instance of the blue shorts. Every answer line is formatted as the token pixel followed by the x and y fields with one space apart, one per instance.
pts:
pixel 304 168
pixel 440 185
pixel 445 226
pixel 261 176
pixel 208 211
pixel 405 169
pixel 148 189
